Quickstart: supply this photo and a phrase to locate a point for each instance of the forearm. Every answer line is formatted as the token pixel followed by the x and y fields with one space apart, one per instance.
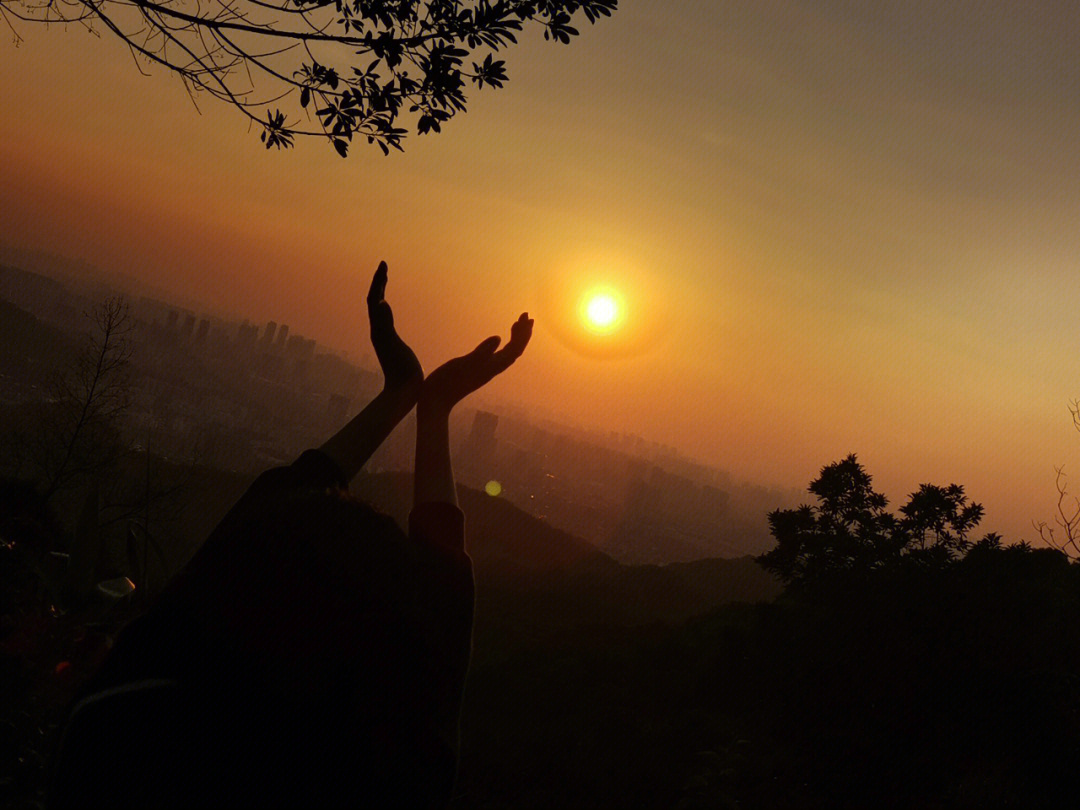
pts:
pixel 434 473
pixel 442 390
pixel 353 445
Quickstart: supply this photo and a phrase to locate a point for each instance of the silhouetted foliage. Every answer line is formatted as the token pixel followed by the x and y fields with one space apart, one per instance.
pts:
pixel 850 531
pixel 73 434
pixel 354 66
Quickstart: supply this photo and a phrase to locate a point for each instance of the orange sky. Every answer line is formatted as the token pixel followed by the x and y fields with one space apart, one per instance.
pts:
pixel 848 226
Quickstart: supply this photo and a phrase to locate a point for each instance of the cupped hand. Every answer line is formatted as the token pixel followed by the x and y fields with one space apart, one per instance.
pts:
pixel 456 379
pixel 398 362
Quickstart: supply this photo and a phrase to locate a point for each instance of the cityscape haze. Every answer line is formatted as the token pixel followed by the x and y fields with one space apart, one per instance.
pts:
pixel 244 397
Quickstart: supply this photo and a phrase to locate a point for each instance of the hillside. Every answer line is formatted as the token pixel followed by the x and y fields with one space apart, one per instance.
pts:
pixel 531 575
pixel 32 350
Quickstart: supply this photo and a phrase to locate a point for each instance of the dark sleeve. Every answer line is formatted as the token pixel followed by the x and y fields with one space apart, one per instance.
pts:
pixel 312 471
pixel 444 605
pixel 200 602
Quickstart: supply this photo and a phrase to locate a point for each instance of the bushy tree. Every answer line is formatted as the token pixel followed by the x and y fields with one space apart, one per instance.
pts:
pixel 349 68
pixel 850 530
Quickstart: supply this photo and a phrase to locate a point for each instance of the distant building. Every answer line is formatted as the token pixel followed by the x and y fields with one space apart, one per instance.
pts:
pixel 300 348
pixel 173 317
pixel 246 337
pixel 189 326
pixel 204 330
pixel 282 336
pixel 268 334
pixel 268 365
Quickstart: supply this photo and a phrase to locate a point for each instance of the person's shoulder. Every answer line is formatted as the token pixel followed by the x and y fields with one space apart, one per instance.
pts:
pixel 315 469
pixel 312 471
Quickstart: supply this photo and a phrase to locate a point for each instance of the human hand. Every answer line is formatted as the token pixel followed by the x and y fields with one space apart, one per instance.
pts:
pixel 401 369
pixel 456 379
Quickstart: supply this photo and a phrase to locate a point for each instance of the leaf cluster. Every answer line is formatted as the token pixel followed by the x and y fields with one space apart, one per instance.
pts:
pixel 351 69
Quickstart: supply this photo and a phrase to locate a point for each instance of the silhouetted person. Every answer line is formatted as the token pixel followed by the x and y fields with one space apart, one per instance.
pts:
pixel 310 652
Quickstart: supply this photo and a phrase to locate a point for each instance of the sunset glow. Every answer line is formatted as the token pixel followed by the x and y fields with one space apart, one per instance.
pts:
pixel 687 386
pixel 820 258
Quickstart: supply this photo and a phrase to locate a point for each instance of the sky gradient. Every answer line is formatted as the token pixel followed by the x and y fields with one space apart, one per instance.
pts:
pixel 839 227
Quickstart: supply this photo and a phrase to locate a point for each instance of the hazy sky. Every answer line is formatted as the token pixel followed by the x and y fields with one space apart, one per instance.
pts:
pixel 838 226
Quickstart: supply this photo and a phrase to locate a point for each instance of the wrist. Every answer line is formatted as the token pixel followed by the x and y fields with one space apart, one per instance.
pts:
pixel 431 410
pixel 407 391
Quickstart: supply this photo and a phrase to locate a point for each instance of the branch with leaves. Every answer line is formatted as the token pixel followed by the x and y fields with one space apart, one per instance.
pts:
pixel 363 69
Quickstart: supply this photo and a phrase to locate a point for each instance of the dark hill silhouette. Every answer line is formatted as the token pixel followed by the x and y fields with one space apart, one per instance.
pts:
pixel 31 349
pixel 503 540
pixel 529 573
pixel 534 576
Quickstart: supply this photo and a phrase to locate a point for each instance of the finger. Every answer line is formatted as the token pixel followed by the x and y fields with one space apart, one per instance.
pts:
pixel 520 334
pixel 377 291
pixel 487 346
pixel 508 356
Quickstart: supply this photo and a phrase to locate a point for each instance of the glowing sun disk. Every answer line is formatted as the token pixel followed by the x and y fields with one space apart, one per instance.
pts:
pixel 602 310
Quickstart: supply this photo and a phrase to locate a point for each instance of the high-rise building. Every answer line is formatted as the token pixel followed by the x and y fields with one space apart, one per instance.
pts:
pixel 294 346
pixel 189 326
pixel 282 336
pixel 204 330
pixel 268 334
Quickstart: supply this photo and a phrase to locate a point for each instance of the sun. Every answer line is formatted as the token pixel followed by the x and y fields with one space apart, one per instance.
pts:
pixel 601 311
pixel 604 306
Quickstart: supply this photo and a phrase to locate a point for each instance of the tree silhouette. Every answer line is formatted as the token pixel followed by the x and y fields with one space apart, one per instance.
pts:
pixel 76 435
pixel 352 67
pixel 850 531
pixel 1065 537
